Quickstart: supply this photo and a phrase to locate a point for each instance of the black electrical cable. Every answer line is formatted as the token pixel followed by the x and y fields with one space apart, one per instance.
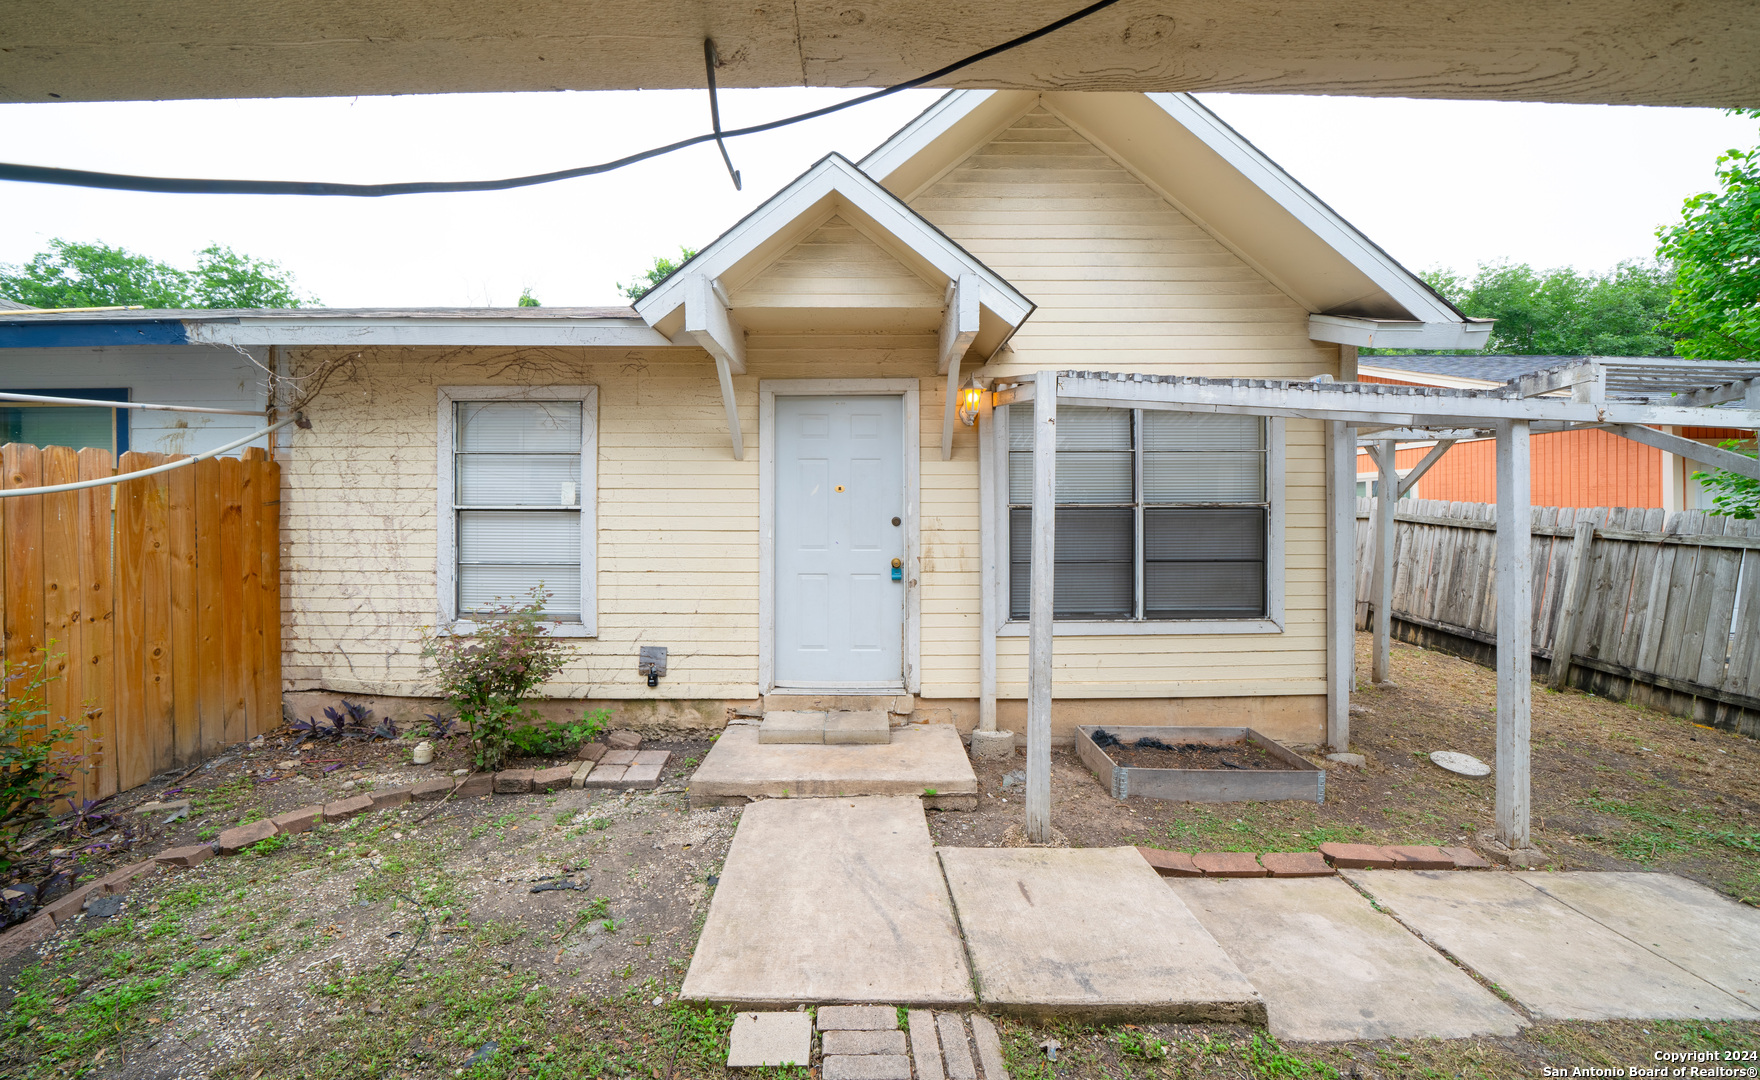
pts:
pixel 42 174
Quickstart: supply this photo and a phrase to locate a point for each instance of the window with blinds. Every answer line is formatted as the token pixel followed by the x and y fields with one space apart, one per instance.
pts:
pixel 517 503
pixel 1160 515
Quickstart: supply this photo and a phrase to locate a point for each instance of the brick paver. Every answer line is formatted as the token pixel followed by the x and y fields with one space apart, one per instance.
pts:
pixel 1296 864
pixel 857 1018
pixel 1358 856
pixel 1228 864
pixel 1170 863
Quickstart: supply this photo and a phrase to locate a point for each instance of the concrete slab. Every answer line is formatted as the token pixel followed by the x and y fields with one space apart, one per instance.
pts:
pixel 1559 963
pixel 792 727
pixel 825 900
pixel 1331 967
pixel 770 1038
pixel 1091 933
pixel 863 1042
pixel 1709 934
pixel 869 727
pixel 919 758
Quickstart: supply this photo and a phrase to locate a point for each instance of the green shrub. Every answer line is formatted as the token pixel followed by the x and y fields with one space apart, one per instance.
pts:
pixel 36 769
pixel 550 738
pixel 487 676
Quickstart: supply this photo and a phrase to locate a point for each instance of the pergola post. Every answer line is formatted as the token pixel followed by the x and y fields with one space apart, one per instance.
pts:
pixel 987 560
pixel 1341 581
pixel 1038 827
pixel 1386 502
pixel 1514 632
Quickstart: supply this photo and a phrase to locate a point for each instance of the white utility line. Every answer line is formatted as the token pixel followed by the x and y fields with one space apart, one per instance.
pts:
pixel 154 471
pixel 39 399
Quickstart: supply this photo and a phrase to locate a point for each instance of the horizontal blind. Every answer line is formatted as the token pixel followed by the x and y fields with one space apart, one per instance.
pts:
pixel 1093 455
pixel 517 486
pixel 1204 562
pixel 78 426
pixel 1095 569
pixel 1198 560
pixel 1203 458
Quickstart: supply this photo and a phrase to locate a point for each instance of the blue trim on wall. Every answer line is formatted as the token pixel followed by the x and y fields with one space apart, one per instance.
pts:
pixel 56 335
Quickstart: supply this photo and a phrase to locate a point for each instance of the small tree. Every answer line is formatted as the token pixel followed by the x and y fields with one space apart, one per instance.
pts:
pixel 487 676
pixel 663 268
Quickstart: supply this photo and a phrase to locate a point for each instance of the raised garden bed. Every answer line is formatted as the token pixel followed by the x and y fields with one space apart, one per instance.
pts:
pixel 1197 764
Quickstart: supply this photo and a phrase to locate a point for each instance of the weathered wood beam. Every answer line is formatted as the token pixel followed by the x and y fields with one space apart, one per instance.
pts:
pixel 1039 636
pixel 1589 377
pixel 1354 403
pixel 1341 582
pixel 1515 632
pixel 1715 457
pixel 724 373
pixel 959 328
pixel 1411 479
pixel 1576 595
pixel 1381 581
pixel 709 325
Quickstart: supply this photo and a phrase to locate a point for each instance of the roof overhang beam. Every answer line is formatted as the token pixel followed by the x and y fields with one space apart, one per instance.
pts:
pixel 1366 333
pixel 1711 456
pixel 958 330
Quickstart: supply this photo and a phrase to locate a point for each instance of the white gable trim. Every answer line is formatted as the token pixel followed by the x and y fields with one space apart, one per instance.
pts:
pixel 1435 322
pixel 836 179
pixel 1302 204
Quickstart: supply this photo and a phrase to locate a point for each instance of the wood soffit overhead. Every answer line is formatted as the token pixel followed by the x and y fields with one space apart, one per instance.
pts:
pixel 1610 51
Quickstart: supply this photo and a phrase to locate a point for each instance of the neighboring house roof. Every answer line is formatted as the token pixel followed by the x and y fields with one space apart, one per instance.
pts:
pixel 528 326
pixel 13 305
pixel 1355 293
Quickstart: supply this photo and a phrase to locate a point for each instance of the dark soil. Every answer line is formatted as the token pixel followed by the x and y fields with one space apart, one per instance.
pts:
pixel 1239 755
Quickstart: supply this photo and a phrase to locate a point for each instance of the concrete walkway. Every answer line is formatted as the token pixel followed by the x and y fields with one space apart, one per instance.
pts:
pixel 1561 963
pixel 1089 932
pixel 1331 967
pixel 825 900
pixel 846 900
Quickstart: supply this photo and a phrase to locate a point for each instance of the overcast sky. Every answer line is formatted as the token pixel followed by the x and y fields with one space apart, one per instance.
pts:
pixel 1436 183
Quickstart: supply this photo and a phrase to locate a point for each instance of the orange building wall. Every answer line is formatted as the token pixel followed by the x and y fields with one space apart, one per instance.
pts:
pixel 1567 468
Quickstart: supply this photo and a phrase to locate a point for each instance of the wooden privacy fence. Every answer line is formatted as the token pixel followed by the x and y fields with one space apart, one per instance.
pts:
pixel 157 603
pixel 1661 609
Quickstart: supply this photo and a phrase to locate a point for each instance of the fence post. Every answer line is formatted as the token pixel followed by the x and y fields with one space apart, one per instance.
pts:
pixel 1576 594
pixel 1381 593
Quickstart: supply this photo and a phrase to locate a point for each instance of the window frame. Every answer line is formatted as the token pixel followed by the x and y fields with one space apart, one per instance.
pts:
pixel 446 519
pixel 118 417
pixel 1272 622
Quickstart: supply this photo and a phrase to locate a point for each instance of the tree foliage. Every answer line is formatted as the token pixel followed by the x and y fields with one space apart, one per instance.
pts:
pixel 1716 252
pixel 642 284
pixel 1564 312
pixel 71 274
pixel 1737 496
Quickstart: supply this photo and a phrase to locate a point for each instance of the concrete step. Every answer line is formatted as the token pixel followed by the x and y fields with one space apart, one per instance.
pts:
pixel 899 704
pixel 925 760
pixel 838 727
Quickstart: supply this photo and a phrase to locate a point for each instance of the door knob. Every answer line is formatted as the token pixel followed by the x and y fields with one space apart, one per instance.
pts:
pixel 898 570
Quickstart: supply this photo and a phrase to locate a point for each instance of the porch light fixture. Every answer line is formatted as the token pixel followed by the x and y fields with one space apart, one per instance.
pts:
pixel 969 400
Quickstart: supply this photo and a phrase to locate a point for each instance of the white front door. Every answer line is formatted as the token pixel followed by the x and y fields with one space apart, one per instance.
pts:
pixel 839 533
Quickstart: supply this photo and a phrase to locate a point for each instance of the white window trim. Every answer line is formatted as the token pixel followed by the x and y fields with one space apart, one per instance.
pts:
pixel 446 565
pixel 768 391
pixel 1272 623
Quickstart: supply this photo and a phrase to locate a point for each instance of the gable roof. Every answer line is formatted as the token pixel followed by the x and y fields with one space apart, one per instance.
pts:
pixel 834 186
pixel 1355 292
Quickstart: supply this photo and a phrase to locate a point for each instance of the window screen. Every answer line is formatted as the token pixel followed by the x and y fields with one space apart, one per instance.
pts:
pixel 517 499
pixel 1160 515
pixel 78 426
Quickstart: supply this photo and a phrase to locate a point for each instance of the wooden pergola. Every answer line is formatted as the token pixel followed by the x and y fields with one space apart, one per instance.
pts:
pixel 1631 401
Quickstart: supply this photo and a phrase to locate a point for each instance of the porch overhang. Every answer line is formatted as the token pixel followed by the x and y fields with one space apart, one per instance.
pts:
pixel 701 303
